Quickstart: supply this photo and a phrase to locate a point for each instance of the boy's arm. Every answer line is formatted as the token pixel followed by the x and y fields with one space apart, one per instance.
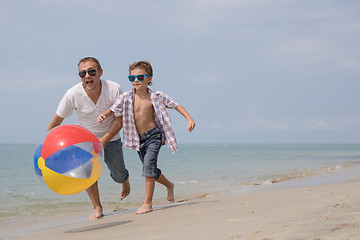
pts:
pixel 104 115
pixel 191 123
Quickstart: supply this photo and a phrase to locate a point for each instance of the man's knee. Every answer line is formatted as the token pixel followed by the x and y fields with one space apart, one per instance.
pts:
pixel 120 178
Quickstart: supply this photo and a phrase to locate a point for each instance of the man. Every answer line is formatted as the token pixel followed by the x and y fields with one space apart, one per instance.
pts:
pixel 90 98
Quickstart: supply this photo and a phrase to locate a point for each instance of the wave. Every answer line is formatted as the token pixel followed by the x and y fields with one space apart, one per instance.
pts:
pixel 300 173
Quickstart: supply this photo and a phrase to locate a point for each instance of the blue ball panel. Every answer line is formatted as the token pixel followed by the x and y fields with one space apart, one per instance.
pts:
pixel 37 154
pixel 67 159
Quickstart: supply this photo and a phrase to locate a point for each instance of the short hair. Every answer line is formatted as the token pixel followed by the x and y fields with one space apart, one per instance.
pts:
pixel 85 59
pixel 142 65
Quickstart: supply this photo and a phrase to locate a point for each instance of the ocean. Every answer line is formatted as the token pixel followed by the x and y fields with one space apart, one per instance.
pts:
pixel 197 170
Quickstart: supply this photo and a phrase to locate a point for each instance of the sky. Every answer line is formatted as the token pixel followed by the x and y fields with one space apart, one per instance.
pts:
pixel 248 71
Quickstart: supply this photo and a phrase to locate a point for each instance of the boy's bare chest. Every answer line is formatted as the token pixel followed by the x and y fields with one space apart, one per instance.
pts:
pixel 143 106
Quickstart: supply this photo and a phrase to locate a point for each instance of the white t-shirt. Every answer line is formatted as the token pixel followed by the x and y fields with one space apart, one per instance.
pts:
pixel 87 111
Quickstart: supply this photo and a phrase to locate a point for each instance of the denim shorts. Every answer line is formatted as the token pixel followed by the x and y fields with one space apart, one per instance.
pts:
pixel 114 159
pixel 150 144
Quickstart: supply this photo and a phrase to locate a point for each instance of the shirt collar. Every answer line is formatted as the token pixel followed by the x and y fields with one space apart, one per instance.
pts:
pixel 149 91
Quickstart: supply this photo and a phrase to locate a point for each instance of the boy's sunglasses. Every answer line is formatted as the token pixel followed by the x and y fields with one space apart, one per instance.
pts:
pixel 91 72
pixel 140 77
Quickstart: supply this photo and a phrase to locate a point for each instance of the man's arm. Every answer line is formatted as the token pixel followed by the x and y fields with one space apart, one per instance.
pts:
pixel 115 128
pixel 55 121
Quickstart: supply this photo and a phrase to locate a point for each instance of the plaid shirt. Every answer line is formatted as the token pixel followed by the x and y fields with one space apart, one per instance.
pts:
pixel 124 106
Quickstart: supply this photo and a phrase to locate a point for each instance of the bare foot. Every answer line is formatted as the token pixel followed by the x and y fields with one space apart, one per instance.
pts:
pixel 146 208
pixel 96 214
pixel 170 196
pixel 125 189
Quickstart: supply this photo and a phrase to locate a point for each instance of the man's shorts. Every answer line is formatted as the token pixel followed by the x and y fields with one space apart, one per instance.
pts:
pixel 114 159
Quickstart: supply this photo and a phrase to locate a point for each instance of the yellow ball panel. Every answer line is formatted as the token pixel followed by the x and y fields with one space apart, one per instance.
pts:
pixel 67 185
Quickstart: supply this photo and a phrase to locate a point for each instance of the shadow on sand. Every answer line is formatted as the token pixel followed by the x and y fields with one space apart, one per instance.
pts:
pixel 97 227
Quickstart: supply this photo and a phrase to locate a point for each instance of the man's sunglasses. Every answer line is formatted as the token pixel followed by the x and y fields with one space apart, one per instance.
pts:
pixel 140 77
pixel 91 72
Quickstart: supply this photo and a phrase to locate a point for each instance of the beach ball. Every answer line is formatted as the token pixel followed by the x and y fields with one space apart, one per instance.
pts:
pixel 69 160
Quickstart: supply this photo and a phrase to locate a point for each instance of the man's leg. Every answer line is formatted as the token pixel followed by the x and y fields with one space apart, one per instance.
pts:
pixel 125 188
pixel 114 159
pixel 94 196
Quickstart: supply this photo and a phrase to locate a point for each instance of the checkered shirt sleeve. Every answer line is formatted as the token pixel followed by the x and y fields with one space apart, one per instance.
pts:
pixel 162 118
pixel 124 106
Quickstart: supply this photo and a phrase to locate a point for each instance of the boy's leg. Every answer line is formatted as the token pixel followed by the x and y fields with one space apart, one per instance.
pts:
pixel 169 185
pixel 149 192
pixel 149 150
pixel 93 192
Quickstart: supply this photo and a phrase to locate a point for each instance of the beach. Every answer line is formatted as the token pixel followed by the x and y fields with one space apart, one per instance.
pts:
pixel 239 191
pixel 321 212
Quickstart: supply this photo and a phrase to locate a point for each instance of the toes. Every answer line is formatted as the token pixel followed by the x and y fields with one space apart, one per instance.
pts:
pixel 96 215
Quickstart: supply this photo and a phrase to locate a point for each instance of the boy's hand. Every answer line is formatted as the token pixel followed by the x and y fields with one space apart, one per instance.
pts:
pixel 190 125
pixel 101 118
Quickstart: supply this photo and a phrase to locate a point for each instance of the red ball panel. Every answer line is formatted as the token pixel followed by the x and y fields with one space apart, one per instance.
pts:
pixel 64 136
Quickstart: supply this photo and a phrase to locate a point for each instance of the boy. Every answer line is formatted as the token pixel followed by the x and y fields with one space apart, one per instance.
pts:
pixel 146 126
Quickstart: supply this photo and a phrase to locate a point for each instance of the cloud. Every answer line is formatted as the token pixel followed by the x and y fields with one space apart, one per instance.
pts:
pixel 344 123
pixel 36 83
pixel 255 124
pixel 206 79
pixel 300 46
pixel 4 16
pixel 272 126
pixel 316 124
pixel 324 124
pixel 221 3
pixel 349 64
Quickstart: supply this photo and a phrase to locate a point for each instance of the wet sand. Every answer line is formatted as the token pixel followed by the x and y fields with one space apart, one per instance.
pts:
pixel 321 212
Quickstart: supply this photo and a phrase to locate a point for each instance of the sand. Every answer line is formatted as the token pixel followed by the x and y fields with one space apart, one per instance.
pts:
pixel 318 213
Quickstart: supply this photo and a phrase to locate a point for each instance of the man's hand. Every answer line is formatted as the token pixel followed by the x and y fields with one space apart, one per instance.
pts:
pixel 104 141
